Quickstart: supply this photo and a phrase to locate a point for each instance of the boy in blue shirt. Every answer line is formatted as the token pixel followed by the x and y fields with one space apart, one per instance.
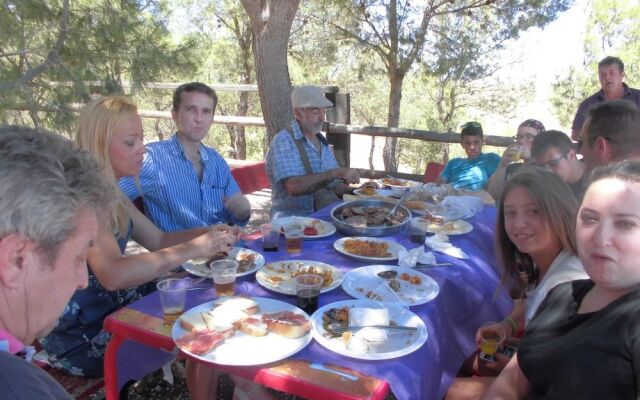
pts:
pixel 472 172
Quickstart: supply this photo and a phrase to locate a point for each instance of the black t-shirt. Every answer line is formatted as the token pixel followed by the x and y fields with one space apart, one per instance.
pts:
pixel 566 355
pixel 20 380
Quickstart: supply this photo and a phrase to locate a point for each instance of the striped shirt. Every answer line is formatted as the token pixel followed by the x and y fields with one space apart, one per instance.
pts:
pixel 174 198
pixel 283 161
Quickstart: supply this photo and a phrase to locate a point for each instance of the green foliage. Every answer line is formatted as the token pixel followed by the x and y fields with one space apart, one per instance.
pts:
pixel 107 43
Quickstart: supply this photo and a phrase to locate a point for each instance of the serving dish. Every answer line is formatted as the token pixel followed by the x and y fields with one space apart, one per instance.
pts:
pixel 402 215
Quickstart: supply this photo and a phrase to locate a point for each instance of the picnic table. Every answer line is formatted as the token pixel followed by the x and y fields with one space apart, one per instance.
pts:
pixel 469 296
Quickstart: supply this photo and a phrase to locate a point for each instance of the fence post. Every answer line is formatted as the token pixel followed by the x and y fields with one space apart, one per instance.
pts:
pixel 340 114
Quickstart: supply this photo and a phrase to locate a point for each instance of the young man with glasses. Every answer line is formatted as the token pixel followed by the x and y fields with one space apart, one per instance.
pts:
pixel 474 171
pixel 554 151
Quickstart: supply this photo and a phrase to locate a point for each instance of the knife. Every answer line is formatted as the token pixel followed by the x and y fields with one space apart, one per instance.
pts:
pixel 390 327
pixel 321 367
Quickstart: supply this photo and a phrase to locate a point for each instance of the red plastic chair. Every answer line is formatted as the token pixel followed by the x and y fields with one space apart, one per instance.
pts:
pixel 432 171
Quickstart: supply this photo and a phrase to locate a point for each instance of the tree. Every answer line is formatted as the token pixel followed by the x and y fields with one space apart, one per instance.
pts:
pixel 398 30
pixel 271 22
pixel 103 41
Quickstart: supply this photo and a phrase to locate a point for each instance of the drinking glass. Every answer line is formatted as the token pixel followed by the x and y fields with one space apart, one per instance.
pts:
pixel 223 273
pixel 173 293
pixel 308 287
pixel 492 337
pixel 293 238
pixel 270 237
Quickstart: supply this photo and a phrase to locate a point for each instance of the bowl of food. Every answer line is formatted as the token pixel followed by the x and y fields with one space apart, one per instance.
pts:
pixel 369 218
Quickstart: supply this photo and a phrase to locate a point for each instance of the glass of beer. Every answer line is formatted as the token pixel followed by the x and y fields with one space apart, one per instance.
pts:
pixel 173 293
pixel 492 338
pixel 223 273
pixel 308 287
pixel 293 238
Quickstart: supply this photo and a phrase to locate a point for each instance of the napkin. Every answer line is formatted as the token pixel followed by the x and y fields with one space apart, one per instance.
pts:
pixel 465 206
pixel 440 243
pixel 415 256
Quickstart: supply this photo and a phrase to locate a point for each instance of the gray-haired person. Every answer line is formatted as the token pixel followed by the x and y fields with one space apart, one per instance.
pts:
pixel 51 199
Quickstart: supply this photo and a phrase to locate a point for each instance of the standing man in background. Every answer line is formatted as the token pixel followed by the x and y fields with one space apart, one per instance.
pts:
pixel 610 74
pixel 185 184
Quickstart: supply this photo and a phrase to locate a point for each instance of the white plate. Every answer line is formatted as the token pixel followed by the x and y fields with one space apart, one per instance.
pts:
pixel 243 349
pixel 403 183
pixel 393 248
pixel 278 276
pixel 324 228
pixel 200 268
pixel 457 227
pixel 379 192
pixel 399 344
pixel 360 281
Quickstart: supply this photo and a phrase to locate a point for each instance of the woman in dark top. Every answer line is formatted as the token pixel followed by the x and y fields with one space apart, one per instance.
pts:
pixel 584 342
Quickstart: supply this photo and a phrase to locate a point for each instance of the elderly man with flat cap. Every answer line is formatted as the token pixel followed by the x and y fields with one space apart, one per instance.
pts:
pixel 303 171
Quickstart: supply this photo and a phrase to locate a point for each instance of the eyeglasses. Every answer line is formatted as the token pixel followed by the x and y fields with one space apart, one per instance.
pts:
pixel 553 163
pixel 526 136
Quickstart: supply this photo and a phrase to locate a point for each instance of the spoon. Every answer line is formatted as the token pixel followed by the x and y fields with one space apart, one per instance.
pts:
pixel 402 199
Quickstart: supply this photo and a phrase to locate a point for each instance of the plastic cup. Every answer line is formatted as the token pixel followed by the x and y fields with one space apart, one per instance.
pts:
pixel 270 237
pixel 308 287
pixel 293 238
pixel 173 293
pixel 223 273
pixel 492 337
pixel 417 231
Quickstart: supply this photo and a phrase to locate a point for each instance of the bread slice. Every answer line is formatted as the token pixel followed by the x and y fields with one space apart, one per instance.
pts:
pixel 193 322
pixel 253 327
pixel 287 324
pixel 246 304
pixel 223 318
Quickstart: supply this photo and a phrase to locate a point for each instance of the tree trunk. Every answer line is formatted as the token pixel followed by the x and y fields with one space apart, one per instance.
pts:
pixel 271 22
pixel 240 141
pixel 393 120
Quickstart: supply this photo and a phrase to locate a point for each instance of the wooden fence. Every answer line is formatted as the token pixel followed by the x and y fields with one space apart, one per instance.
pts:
pixel 338 129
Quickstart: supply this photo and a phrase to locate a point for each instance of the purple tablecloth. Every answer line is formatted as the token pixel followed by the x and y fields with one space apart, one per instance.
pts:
pixel 468 298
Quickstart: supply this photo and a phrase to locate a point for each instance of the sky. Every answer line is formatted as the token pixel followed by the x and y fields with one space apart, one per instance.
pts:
pixel 543 55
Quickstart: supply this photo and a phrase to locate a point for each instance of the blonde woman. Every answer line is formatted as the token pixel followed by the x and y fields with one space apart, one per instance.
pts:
pixel 111 130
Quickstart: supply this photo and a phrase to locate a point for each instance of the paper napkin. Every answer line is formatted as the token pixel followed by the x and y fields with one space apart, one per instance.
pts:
pixel 415 256
pixel 440 243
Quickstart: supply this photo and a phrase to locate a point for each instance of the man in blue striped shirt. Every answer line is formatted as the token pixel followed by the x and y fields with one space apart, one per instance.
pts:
pixel 294 189
pixel 184 183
